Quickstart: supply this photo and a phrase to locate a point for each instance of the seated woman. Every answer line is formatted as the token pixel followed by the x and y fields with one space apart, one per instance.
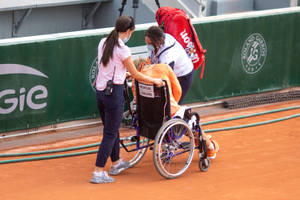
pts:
pixel 165 72
pixel 162 71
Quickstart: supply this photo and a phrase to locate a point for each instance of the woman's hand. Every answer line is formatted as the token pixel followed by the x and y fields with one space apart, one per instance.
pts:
pixel 158 82
pixel 128 76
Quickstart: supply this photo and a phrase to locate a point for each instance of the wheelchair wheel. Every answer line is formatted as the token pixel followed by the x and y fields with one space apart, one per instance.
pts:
pixel 173 148
pixel 133 156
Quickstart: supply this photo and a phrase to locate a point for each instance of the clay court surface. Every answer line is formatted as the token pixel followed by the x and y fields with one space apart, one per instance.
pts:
pixel 261 162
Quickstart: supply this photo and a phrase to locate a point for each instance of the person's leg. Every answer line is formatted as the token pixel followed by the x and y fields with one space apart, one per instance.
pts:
pixel 118 165
pixel 211 145
pixel 101 109
pixel 100 106
pixel 115 154
pixel 207 139
pixel 114 106
pixel 185 83
pixel 99 175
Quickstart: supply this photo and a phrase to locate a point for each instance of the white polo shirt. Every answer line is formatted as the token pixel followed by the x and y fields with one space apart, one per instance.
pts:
pixel 106 73
pixel 182 64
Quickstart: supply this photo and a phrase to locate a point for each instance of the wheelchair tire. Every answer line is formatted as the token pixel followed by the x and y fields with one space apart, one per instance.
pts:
pixel 173 148
pixel 204 164
pixel 134 156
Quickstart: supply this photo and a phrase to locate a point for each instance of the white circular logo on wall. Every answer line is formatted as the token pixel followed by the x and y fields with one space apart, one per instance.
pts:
pixel 254 53
pixel 93 73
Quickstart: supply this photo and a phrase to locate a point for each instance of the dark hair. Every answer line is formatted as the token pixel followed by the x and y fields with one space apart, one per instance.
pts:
pixel 123 23
pixel 156 35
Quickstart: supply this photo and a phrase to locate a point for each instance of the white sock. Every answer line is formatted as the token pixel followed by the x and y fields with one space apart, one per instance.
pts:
pixel 118 163
pixel 99 173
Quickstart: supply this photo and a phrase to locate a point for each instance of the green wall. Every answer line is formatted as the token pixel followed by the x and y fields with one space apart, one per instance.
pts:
pixel 277 63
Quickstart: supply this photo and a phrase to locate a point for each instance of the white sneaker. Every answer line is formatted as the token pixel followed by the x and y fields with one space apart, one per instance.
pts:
pixel 117 168
pixel 101 177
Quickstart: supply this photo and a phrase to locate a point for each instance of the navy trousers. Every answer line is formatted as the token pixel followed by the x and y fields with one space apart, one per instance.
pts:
pixel 111 111
pixel 185 83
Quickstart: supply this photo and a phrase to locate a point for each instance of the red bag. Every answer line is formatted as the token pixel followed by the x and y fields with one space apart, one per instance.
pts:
pixel 178 24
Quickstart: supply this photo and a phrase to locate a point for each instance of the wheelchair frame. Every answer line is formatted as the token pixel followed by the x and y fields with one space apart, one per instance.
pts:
pixel 167 141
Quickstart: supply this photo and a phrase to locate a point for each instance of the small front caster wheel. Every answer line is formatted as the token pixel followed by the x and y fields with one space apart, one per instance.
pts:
pixel 204 164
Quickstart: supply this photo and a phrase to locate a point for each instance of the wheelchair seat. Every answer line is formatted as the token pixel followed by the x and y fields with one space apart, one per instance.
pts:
pixel 153 108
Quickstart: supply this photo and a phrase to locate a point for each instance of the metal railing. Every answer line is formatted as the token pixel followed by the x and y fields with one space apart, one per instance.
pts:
pixel 201 8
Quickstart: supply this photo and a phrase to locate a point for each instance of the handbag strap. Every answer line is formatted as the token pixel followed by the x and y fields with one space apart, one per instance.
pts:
pixel 114 73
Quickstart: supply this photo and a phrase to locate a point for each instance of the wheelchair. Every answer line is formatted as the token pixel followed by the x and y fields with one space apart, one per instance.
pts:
pixel 172 139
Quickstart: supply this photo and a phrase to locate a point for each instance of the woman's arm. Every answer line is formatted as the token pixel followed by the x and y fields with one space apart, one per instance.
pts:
pixel 139 76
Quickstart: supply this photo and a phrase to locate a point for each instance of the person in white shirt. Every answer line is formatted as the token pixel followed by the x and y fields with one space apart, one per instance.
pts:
pixel 114 57
pixel 164 48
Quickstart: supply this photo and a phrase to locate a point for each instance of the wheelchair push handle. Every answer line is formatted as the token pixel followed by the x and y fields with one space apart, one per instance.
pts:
pixel 160 84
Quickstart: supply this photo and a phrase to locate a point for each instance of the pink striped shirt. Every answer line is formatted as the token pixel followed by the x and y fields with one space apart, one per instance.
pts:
pixel 105 73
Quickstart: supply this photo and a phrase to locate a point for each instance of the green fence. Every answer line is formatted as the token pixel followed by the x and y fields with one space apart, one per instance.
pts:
pixel 248 55
pixel 47 79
